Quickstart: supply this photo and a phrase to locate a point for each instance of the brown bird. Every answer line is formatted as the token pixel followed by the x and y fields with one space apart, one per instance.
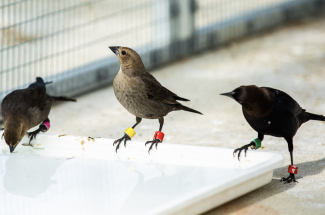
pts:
pixel 141 94
pixel 26 108
pixel 271 112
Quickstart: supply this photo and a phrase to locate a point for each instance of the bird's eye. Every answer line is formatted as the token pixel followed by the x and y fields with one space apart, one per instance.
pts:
pixel 123 52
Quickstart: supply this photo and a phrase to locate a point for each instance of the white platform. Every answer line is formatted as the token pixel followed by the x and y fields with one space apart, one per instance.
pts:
pixel 78 175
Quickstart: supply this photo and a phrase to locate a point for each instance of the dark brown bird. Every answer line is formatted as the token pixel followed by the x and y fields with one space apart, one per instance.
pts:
pixel 271 112
pixel 26 108
pixel 141 94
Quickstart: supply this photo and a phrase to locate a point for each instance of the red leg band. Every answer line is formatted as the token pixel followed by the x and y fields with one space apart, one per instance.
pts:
pixel 47 124
pixel 159 135
pixel 292 169
pixel 155 136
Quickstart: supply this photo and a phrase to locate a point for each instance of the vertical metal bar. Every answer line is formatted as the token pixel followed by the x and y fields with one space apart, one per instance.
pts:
pixel 31 70
pixel 1 54
pixel 24 57
pixel 20 37
pixel 9 62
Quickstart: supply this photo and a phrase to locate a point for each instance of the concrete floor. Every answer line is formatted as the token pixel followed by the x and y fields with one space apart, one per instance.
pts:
pixel 291 59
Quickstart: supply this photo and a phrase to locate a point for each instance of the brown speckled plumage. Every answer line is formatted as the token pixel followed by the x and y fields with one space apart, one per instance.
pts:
pixel 140 93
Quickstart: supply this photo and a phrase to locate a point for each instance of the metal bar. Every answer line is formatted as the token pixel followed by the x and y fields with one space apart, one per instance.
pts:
pixel 101 73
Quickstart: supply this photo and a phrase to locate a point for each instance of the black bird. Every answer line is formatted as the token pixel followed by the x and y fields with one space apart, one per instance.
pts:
pixel 26 108
pixel 271 112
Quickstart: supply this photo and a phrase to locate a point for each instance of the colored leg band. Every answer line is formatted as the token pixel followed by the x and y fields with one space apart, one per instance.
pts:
pixel 257 143
pixel 130 132
pixel 159 135
pixel 292 169
pixel 47 124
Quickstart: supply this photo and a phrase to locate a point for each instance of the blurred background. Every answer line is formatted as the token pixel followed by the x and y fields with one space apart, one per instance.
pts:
pixel 67 41
pixel 197 49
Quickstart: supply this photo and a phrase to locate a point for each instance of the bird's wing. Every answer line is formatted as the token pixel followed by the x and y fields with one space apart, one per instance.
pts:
pixel 290 105
pixel 156 91
pixel 22 100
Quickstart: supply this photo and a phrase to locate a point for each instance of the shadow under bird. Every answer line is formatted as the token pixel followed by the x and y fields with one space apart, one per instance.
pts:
pixel 271 112
pixel 26 108
pixel 142 95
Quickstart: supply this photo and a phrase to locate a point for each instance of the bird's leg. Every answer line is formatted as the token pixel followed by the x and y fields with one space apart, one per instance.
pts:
pixel 3 134
pixel 128 134
pixel 158 137
pixel 254 144
pixel 44 127
pixel 292 169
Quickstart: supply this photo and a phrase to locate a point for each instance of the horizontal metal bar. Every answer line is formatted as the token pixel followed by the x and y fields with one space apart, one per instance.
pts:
pixel 64 10
pixel 83 25
pixel 102 73
pixel 76 48
pixel 12 3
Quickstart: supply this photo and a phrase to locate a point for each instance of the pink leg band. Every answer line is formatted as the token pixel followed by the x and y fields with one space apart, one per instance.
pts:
pixel 159 135
pixel 292 169
pixel 47 124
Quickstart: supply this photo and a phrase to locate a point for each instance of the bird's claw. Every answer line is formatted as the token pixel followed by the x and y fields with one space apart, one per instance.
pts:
pixel 3 134
pixel 289 179
pixel 119 141
pixel 32 135
pixel 153 142
pixel 239 150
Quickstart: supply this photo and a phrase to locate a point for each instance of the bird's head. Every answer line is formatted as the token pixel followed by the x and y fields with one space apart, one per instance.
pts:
pixel 130 60
pixel 13 134
pixel 244 94
pixel 255 100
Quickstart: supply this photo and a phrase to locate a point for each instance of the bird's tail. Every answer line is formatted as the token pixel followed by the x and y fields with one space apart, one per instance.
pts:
pixel 312 116
pixel 182 107
pixel 62 98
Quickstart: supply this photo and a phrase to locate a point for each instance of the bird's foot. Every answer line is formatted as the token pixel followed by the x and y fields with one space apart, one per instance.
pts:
pixel 119 141
pixel 3 134
pixel 32 135
pixel 245 147
pixel 153 142
pixel 289 179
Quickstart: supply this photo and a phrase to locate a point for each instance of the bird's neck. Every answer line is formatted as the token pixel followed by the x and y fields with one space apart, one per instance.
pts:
pixel 133 70
pixel 15 121
pixel 261 106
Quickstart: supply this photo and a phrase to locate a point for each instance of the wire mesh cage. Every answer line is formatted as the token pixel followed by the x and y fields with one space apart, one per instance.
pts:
pixel 67 41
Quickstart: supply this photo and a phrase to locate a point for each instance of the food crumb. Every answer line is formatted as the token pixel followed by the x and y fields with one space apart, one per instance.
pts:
pixel 91 138
pixel 62 135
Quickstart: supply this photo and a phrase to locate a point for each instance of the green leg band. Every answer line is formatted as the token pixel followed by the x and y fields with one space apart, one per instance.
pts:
pixel 257 143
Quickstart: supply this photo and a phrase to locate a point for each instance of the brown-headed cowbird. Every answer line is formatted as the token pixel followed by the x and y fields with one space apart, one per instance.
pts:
pixel 271 112
pixel 26 108
pixel 141 94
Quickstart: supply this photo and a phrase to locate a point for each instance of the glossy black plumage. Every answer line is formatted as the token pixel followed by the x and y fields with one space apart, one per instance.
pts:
pixel 271 112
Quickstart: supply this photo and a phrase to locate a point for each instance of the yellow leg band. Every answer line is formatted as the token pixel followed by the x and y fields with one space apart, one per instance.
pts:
pixel 130 132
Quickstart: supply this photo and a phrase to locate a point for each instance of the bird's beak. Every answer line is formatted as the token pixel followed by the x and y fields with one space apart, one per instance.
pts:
pixel 114 49
pixel 230 95
pixel 11 148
